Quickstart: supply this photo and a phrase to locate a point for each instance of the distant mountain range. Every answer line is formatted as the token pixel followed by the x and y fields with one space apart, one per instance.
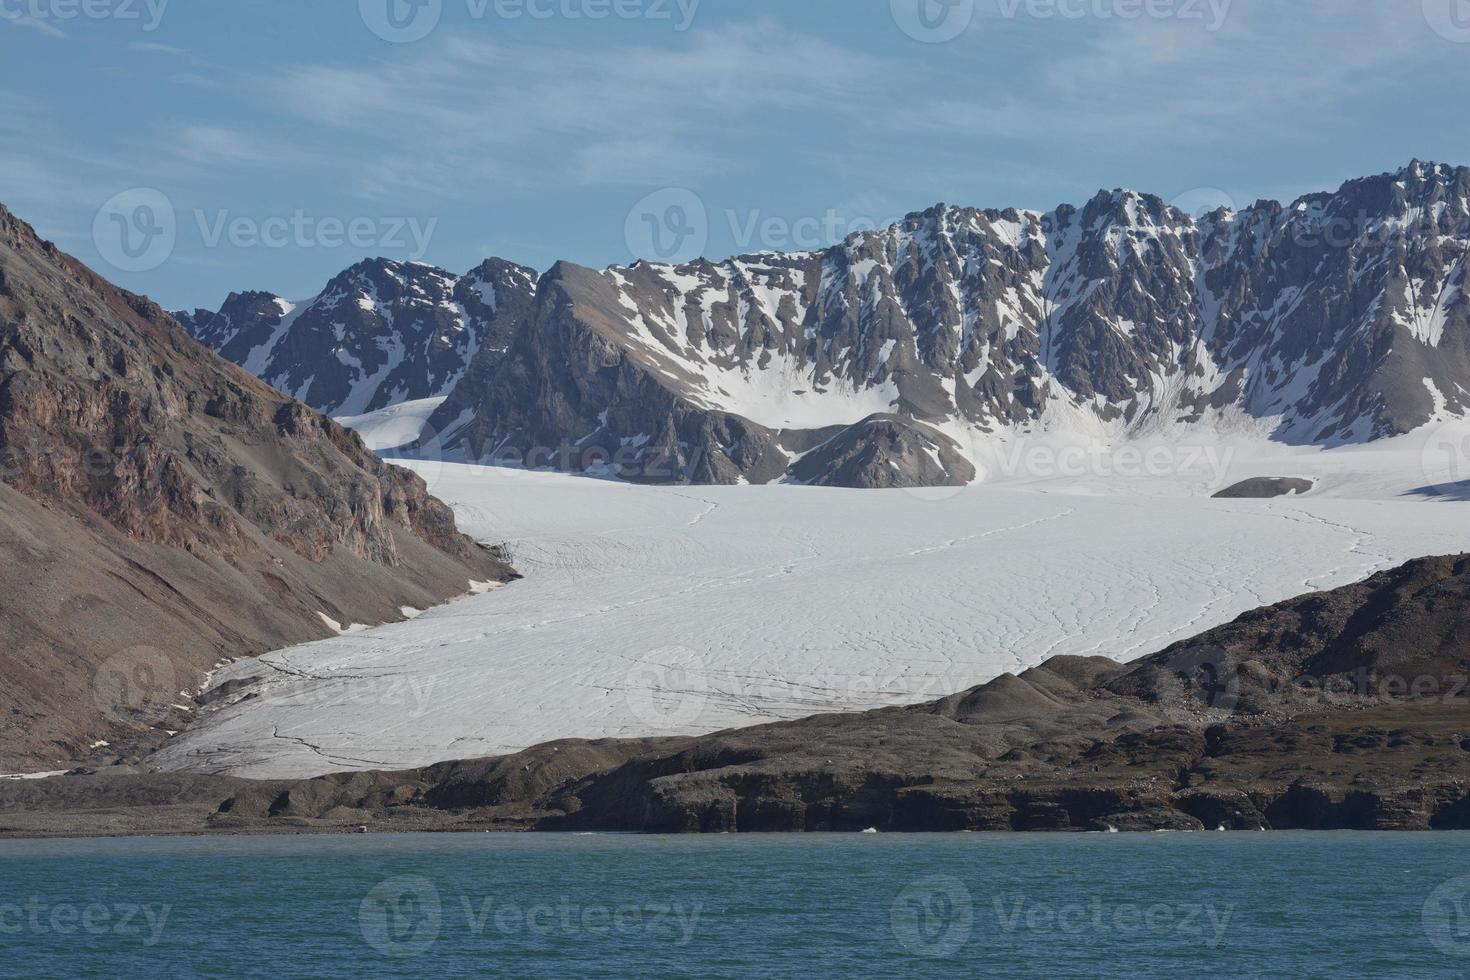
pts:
pixel 380 333
pixel 1341 317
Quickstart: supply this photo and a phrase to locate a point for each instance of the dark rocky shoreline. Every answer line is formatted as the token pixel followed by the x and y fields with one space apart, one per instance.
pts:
pixel 1347 709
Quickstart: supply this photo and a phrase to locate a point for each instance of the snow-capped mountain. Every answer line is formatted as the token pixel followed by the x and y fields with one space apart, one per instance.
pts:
pixel 380 333
pixel 1341 317
pixel 886 359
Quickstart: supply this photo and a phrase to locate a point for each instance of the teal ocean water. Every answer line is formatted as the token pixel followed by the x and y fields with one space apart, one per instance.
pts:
pixel 1097 905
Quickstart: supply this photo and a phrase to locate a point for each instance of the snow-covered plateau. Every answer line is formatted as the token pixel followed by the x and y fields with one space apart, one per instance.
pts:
pixel 665 610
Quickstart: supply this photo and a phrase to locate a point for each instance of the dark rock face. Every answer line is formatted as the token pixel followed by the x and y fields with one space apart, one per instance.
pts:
pixel 380 333
pixel 1342 317
pixel 1344 709
pixel 1265 487
pixel 245 322
pixel 160 505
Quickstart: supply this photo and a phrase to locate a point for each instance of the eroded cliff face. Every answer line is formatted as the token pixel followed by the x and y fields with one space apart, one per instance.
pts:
pixel 164 505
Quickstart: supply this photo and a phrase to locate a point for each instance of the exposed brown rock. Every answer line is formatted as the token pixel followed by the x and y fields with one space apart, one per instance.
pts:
pixel 161 510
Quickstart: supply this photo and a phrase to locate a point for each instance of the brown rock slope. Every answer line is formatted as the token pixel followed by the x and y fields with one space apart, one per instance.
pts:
pixel 161 510
pixel 1343 709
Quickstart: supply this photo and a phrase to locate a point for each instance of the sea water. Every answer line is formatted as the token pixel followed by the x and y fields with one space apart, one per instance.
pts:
pixel 1094 905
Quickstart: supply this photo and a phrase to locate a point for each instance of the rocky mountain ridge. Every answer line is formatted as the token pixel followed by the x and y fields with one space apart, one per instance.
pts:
pixel 1341 317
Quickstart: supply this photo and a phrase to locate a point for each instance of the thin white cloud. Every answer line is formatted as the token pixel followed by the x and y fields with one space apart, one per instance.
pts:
pixel 470 109
pixel 34 23
pixel 1170 78
pixel 156 48
pixel 218 144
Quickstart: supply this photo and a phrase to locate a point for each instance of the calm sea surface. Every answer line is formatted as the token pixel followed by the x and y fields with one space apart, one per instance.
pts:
pixel 1116 905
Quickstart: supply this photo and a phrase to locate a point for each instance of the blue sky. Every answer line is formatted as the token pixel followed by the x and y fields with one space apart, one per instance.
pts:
pixel 278 141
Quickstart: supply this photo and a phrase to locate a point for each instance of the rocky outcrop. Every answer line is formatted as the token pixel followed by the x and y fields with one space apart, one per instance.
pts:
pixel 886 452
pixel 1343 709
pixel 164 511
pixel 1266 487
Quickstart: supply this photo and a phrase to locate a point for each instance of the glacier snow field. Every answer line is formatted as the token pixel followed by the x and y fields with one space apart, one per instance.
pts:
pixel 683 610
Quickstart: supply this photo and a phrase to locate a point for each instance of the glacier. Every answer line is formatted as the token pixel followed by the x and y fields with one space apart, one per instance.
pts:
pixel 655 610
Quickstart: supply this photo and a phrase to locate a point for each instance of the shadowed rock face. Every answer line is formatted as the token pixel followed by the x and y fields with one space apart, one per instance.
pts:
pixel 1265 487
pixel 1343 709
pixel 161 511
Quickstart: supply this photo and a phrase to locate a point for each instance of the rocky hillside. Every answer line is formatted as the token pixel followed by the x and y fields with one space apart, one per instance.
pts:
pixel 1343 709
pixel 162 511
pixel 380 333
